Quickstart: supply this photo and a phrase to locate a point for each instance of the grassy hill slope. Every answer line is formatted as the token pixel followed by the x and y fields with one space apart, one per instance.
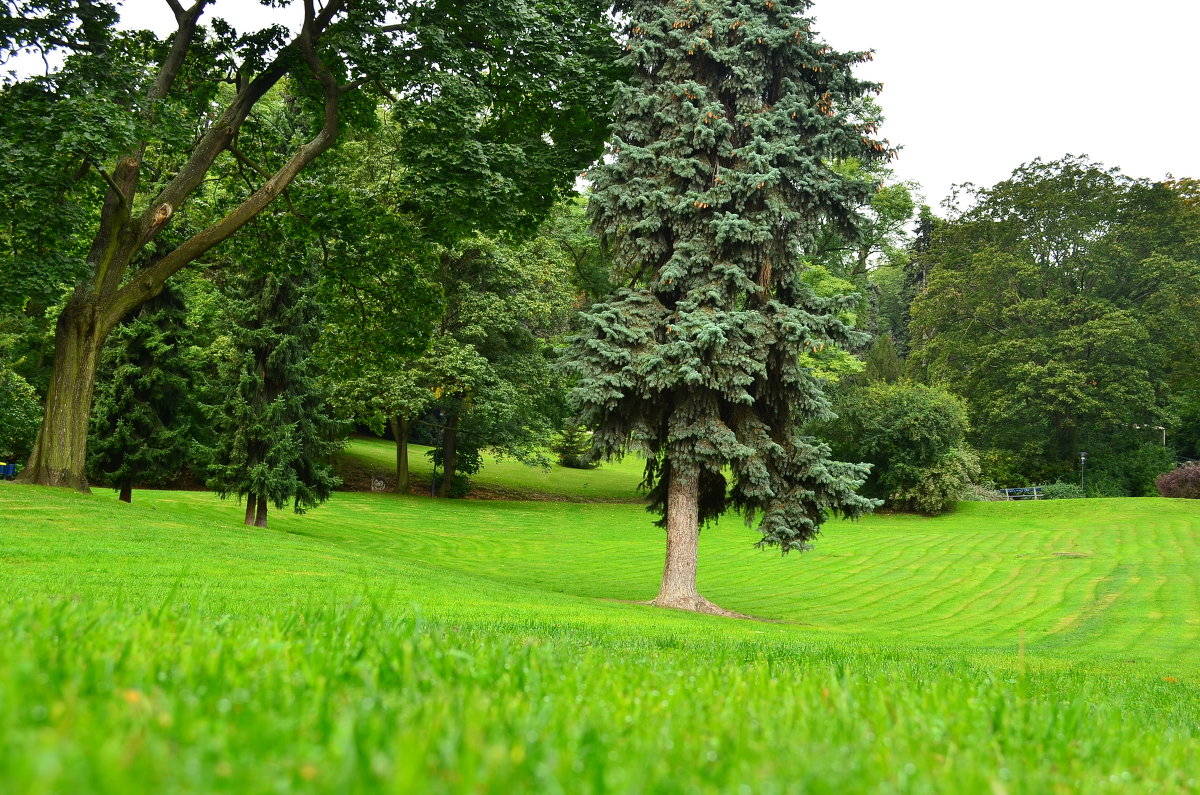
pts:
pixel 404 644
pixel 614 481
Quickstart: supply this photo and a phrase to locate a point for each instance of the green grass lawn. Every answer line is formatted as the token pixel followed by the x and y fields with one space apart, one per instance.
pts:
pixel 612 481
pixel 401 644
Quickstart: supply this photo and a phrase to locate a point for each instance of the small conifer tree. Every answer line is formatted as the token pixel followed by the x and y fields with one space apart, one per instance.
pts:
pixel 574 446
pixel 143 415
pixel 720 181
pixel 275 433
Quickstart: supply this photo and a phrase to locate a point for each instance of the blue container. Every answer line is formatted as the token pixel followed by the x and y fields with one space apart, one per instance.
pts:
pixel 8 469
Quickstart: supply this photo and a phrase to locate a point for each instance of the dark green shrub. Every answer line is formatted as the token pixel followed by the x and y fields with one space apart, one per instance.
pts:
pixel 20 416
pixel 913 436
pixel 1183 482
pixel 573 447
pixel 1125 469
pixel 1062 491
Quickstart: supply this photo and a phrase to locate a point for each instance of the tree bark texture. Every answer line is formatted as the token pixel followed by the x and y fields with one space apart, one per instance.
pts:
pixel 400 426
pixel 260 517
pixel 126 492
pixel 60 451
pixel 449 456
pixel 249 510
pixel 678 588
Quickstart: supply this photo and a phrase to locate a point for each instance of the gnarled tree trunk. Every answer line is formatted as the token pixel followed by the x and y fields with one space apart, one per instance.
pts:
pixel 60 452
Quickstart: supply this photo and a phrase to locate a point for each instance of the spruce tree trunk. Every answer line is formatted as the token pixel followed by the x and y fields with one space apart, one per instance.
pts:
pixel 250 510
pixel 678 588
pixel 449 456
pixel 126 492
pixel 260 519
pixel 61 449
pixel 400 431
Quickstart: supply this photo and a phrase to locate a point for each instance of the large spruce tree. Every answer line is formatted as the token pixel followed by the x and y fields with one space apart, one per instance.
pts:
pixel 275 434
pixel 720 181
pixel 144 416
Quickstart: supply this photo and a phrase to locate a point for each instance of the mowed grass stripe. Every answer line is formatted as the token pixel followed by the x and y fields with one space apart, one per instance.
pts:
pixel 982 577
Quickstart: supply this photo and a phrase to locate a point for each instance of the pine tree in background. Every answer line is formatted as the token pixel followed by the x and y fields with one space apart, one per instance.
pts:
pixel 275 435
pixel 143 415
pixel 720 182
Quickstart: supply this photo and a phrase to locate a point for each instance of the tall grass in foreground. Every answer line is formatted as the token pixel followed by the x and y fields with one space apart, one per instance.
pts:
pixel 361 697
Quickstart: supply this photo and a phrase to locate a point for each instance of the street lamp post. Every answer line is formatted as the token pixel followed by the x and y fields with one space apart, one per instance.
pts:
pixel 1083 472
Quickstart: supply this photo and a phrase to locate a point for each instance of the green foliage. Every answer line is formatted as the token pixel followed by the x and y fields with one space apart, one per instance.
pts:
pixel 913 435
pixel 1182 482
pixel 1053 305
pixel 1186 406
pixel 721 177
pixel 938 487
pixel 143 417
pixel 489 378
pixel 1127 469
pixel 56 131
pixel 570 230
pixel 275 437
pixel 20 415
pixel 882 361
pixel 1062 491
pixel 574 446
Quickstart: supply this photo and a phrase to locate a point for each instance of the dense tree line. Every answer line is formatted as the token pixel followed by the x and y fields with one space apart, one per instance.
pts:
pixel 1061 307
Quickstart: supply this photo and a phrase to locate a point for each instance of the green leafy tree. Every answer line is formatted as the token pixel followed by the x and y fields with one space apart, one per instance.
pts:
pixel 140 156
pixel 882 362
pixel 570 230
pixel 275 434
pixel 144 416
pixel 20 408
pixel 914 436
pixel 1053 307
pixel 20 411
pixel 492 364
pixel 720 182
pixel 574 446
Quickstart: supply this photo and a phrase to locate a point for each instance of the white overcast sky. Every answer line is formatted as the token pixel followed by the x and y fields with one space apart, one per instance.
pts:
pixel 973 88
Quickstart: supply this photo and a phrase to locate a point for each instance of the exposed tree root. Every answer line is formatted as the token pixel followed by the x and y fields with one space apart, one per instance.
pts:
pixel 697 604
